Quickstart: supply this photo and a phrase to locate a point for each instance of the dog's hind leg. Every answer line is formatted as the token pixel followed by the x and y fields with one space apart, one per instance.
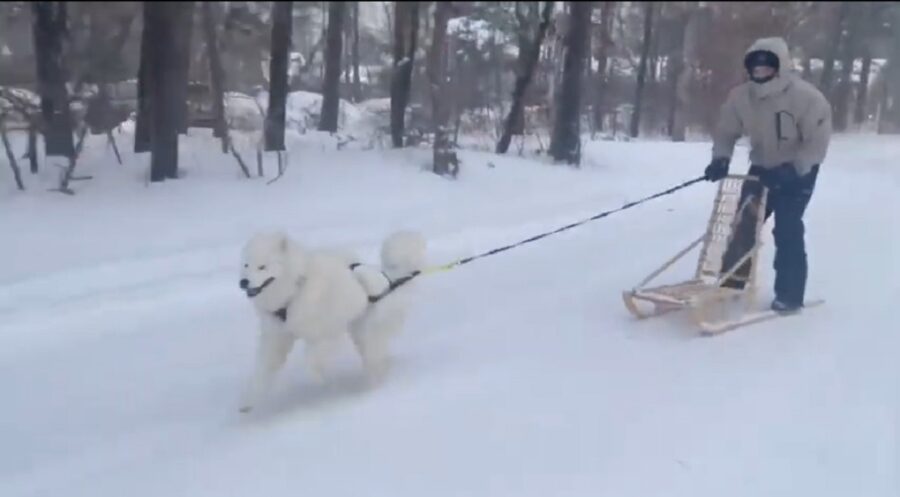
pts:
pixel 371 337
pixel 319 353
pixel 273 351
pixel 364 348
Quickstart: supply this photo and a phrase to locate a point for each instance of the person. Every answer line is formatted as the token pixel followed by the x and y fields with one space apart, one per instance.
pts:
pixel 788 122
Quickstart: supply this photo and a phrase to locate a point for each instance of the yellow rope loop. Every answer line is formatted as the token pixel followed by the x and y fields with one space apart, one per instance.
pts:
pixel 439 269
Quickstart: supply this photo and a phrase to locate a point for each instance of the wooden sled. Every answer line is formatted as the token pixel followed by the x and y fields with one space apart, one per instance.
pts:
pixel 703 295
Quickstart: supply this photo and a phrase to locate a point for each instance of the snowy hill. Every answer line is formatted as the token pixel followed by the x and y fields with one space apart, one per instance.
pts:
pixel 124 341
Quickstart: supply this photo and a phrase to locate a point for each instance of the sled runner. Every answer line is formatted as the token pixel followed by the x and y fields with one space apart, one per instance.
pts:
pixel 725 276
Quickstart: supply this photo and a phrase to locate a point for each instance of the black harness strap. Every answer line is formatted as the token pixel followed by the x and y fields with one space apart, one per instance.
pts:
pixel 281 314
pixel 392 285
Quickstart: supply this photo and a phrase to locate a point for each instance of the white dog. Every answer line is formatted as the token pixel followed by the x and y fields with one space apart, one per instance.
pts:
pixel 323 297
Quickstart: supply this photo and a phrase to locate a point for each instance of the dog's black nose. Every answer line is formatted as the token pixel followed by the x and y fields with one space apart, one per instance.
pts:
pixel 244 284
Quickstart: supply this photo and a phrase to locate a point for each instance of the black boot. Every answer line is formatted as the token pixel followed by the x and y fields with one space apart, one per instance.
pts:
pixel 785 308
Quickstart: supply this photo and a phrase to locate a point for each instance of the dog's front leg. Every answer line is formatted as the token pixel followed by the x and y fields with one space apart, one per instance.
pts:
pixel 274 348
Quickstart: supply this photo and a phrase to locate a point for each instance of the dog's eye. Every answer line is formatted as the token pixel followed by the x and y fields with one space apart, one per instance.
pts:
pixel 246 265
pixel 262 268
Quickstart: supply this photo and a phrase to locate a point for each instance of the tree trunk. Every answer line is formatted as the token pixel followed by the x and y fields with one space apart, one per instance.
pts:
pixel 653 60
pixel 675 69
pixel 642 70
pixel 565 143
pixel 891 113
pixel 216 75
pixel 825 83
pixel 184 32
pixel 862 96
pixel 850 49
pixel 525 12
pixel 523 79
pixel 50 27
pixel 328 120
pixel 555 74
pixel 11 156
pixel 142 122
pixel 445 161
pixel 163 87
pixel 603 46
pixel 866 21
pixel 398 98
pixel 106 50
pixel 406 28
pixel 496 68
pixel 32 146
pixel 278 75
pixel 354 55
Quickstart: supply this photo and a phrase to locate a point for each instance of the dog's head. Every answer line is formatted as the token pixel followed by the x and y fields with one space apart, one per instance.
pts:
pixel 268 265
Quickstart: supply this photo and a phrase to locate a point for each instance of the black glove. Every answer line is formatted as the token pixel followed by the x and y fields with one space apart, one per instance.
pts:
pixel 782 177
pixel 717 169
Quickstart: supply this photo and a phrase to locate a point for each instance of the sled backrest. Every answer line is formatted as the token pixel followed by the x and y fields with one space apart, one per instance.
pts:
pixel 723 221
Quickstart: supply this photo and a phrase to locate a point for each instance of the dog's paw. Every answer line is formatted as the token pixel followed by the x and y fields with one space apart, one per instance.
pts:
pixel 245 404
pixel 317 375
pixel 376 371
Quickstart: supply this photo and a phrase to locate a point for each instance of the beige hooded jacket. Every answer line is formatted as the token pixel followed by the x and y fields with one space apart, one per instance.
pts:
pixel 786 118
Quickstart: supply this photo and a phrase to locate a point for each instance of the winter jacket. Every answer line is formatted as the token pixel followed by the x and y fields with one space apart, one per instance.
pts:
pixel 786 118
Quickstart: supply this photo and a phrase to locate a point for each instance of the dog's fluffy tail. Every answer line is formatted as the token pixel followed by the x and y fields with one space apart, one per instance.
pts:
pixel 403 253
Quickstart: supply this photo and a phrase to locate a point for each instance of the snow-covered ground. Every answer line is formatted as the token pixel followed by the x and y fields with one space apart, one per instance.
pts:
pixel 124 340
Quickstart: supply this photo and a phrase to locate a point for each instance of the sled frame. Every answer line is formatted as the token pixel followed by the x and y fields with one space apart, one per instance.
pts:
pixel 704 293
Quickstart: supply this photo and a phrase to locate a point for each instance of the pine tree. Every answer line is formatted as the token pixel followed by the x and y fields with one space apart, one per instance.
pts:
pixel 278 75
pixel 331 85
pixel 565 143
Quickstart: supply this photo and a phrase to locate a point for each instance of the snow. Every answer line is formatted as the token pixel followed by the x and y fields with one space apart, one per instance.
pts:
pixel 124 341
pixel 479 31
pixel 13 99
pixel 247 113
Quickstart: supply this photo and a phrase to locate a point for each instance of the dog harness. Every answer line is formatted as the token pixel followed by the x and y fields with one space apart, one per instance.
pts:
pixel 281 314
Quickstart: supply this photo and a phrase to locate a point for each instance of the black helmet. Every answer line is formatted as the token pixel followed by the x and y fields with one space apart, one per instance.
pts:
pixel 758 58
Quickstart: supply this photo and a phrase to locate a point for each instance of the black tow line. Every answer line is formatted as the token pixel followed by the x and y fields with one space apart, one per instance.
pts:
pixel 395 284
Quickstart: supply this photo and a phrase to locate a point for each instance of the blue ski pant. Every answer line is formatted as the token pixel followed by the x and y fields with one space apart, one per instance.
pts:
pixel 788 203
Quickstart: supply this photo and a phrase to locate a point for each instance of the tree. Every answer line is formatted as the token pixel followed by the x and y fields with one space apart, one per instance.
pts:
pixel 866 23
pixel 891 114
pixel 328 120
pixel 278 75
pixel 144 107
pixel 565 142
pixel 10 155
pixel 162 81
pixel 50 27
pixel 834 41
pixel 528 64
pixel 406 32
pixel 184 31
pixel 676 74
pixel 354 54
pixel 850 48
pixel 528 19
pixel 604 43
pixel 216 75
pixel 445 161
pixel 642 69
